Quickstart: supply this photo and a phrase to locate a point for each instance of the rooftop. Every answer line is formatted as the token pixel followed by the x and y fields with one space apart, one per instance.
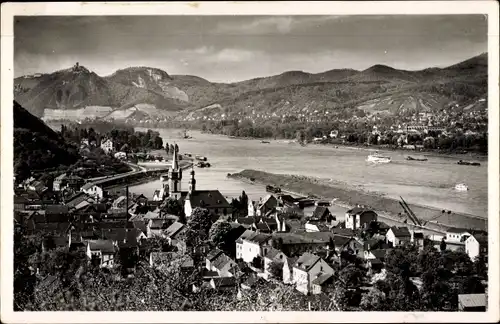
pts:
pixel 207 198
pixel 307 261
pixel 473 300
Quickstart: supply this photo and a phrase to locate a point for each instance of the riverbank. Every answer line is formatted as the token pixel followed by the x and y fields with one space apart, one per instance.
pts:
pixel 348 198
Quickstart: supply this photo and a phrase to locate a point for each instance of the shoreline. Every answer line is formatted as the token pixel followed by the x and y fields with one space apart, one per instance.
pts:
pixel 347 198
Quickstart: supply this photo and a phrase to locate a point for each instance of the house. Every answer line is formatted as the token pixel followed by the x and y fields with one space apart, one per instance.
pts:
pixel 472 302
pixel 102 252
pixel 156 227
pixel 316 226
pixel 120 155
pixel 250 282
pixel 223 283
pixel 129 236
pixel 322 214
pixel 158 195
pixel 252 210
pixel 273 255
pixel 417 238
pixel 239 243
pixel 288 269
pixel 212 200
pixel 64 181
pixel 306 269
pixel 398 236
pixel 351 246
pixel 173 232
pixel 251 246
pixel 107 146
pixel 476 245
pixel 376 254
pixel 54 242
pixel 457 235
pixel 269 203
pixel 321 281
pixel 218 261
pixel 359 217
pixel 93 190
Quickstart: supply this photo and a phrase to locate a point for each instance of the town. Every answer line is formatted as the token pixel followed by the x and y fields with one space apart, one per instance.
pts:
pixel 212 254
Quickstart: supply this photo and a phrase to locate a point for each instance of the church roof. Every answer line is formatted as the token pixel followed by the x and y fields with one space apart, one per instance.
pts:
pixel 207 199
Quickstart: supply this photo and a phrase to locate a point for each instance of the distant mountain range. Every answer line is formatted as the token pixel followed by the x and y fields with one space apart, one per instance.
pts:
pixel 149 93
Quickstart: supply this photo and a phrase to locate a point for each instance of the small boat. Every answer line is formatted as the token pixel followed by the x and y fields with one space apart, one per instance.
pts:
pixel 461 187
pixel 376 158
pixel 202 164
pixel 186 135
pixel 409 158
pixel 201 158
pixel 272 189
pixel 265 142
pixel 461 162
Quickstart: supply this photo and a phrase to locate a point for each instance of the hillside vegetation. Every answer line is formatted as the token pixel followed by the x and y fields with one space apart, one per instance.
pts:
pixel 333 95
pixel 37 146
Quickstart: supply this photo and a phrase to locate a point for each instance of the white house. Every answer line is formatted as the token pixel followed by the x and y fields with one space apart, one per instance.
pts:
pixel 359 217
pixel 476 245
pixel 398 236
pixel 308 268
pixel 288 270
pixel 456 235
pixel 103 251
pixel 93 190
pixel 120 155
pixel 252 245
pixel 218 261
pixel 107 145
pixel 272 255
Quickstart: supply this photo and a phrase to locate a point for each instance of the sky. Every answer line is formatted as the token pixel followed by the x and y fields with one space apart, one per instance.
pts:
pixel 236 48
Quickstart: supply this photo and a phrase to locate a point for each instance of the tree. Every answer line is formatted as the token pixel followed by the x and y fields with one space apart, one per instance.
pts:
pixel 442 245
pixel 243 204
pixel 219 232
pixel 374 300
pixel 198 226
pixel 276 269
pixel 172 206
pixel 480 266
pixel 257 262
pixel 352 276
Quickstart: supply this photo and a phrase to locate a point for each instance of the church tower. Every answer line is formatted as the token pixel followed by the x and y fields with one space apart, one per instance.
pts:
pixel 174 177
pixel 192 182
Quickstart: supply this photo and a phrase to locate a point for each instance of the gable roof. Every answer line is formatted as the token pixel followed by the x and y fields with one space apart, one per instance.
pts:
pixel 105 246
pixel 224 281
pixel 472 300
pixel 481 238
pixel 347 232
pixel 358 210
pixel 290 262
pixel 457 230
pixel 244 235
pixel 88 185
pixel 221 261
pixel 157 223
pixel 380 253
pixel 77 199
pixel 207 199
pixel 306 261
pixel 258 238
pixel 400 231
pixel 272 253
pixel 321 279
pixel 320 212
pixel 56 209
pixel 174 229
pixel 213 254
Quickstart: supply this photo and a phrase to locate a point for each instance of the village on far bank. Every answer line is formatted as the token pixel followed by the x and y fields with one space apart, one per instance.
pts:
pixel 233 247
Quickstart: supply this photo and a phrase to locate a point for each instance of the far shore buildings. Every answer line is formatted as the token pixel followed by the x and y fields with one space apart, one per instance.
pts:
pixel 107 145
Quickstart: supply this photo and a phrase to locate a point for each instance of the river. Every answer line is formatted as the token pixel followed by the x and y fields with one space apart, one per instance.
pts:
pixel 430 183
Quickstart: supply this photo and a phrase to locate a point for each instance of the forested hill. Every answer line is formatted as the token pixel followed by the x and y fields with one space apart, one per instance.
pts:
pixel 37 146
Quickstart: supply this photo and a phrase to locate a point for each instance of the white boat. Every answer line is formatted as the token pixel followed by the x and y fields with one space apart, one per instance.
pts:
pixel 376 158
pixel 461 187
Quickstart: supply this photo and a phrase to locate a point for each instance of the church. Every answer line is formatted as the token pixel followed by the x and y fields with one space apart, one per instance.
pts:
pixel 212 200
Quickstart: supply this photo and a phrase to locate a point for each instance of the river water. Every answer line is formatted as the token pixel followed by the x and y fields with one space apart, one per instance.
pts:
pixel 429 183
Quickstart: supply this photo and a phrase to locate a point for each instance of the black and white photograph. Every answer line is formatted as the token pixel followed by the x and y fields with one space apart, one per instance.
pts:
pixel 268 161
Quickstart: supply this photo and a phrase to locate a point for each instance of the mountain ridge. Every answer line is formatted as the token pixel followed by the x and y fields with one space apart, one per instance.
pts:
pixel 178 95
